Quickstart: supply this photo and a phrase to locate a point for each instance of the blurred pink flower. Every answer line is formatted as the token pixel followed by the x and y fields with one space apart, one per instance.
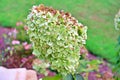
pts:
pixel 15 31
pixel 83 50
pixel 24 43
pixel 50 73
pixel 19 23
pixel 9 33
pixel 31 57
pixel 8 48
pixel 15 42
pixel 25 27
pixel 27 46
pixel 24 60
pixel 12 48
pixel 108 74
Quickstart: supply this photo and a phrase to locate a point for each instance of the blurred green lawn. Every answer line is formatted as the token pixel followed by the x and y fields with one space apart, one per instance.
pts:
pixel 98 15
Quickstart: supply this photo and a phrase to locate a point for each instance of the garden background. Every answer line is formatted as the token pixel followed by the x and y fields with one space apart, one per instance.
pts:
pixel 100 58
pixel 97 15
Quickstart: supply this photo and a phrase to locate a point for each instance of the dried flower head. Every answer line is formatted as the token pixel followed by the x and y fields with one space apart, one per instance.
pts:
pixel 56 37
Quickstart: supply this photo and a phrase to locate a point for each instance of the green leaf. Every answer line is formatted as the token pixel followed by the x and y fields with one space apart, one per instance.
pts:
pixel 78 77
pixel 57 77
pixel 68 77
pixel 82 67
pixel 95 62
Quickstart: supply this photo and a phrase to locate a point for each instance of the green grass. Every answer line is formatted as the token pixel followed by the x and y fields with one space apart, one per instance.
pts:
pixel 98 15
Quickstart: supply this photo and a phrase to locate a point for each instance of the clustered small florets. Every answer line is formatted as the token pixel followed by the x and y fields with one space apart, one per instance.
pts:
pixel 56 37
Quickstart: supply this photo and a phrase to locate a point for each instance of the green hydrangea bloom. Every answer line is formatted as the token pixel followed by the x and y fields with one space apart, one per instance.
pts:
pixel 56 37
